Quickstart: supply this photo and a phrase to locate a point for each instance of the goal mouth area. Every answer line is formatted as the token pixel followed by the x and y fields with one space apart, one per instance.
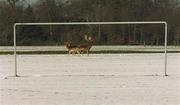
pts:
pixel 96 23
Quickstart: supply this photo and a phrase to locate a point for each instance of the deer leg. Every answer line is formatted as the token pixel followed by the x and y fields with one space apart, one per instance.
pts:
pixel 69 52
pixel 78 52
pixel 87 52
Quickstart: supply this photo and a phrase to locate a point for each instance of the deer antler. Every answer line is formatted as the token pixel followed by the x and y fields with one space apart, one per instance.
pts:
pixel 88 38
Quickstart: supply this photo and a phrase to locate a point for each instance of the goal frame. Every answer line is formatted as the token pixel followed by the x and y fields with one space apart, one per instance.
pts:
pixel 94 23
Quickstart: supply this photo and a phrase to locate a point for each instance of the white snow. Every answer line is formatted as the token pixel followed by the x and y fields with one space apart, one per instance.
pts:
pixel 98 79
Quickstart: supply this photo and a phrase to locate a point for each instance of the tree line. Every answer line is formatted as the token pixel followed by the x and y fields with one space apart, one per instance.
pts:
pixel 13 11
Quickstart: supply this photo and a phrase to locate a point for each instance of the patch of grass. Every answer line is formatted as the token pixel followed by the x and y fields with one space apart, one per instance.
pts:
pixel 91 52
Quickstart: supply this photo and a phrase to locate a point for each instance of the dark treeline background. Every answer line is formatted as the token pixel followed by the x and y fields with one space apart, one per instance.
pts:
pixel 13 11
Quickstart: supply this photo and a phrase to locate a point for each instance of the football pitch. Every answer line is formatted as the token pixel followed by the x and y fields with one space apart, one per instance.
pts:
pixel 97 79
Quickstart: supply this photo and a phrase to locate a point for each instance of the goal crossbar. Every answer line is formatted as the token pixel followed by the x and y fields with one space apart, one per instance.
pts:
pixel 94 23
pixel 86 23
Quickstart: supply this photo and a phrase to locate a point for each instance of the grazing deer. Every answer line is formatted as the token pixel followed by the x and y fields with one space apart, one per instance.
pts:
pixel 80 49
pixel 72 49
pixel 86 47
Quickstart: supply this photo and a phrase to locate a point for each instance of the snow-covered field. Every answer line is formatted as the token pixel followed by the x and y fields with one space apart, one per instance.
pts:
pixel 98 79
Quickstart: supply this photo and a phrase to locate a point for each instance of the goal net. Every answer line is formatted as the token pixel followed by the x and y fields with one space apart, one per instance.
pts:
pixel 113 37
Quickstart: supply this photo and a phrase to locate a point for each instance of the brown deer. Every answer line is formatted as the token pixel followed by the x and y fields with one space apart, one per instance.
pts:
pixel 80 49
pixel 86 47
pixel 72 49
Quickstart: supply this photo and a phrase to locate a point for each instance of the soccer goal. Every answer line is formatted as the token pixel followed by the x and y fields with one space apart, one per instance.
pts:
pixel 164 23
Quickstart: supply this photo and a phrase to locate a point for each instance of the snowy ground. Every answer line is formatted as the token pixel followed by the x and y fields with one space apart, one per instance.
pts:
pixel 98 79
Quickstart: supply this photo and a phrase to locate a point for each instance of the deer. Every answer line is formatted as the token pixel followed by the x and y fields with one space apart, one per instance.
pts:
pixel 86 47
pixel 72 49
pixel 80 49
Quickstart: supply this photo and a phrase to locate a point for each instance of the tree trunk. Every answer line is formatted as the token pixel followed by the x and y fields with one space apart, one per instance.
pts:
pixel 99 31
pixel 134 33
pixel 157 41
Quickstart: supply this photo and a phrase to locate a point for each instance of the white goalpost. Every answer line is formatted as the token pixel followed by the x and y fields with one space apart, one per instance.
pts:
pixel 94 23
